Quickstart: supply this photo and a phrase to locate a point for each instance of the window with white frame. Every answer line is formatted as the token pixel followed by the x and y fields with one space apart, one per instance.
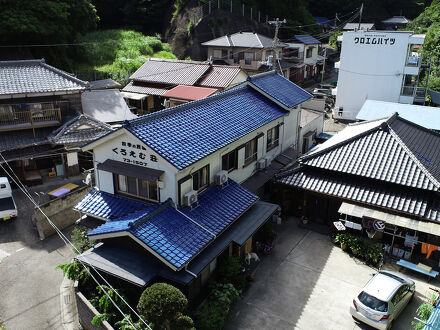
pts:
pixel 127 185
pixel 201 178
pixel 273 137
pixel 250 151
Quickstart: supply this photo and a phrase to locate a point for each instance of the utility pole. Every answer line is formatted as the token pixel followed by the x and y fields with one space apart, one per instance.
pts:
pixel 275 42
pixel 360 16
pixel 323 66
pixel 336 20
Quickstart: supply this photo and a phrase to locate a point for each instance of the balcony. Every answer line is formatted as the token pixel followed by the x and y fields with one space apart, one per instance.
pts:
pixel 411 94
pixel 11 120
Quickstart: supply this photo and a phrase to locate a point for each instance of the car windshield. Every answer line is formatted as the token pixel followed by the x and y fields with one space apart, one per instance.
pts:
pixel 372 302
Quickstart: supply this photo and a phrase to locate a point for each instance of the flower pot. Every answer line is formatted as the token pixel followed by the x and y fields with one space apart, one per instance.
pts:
pixel 305 221
pixel 343 246
pixel 355 252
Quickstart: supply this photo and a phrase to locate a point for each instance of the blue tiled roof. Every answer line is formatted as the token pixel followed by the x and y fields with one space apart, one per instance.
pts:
pixel 107 206
pixel 306 39
pixel 187 133
pixel 177 238
pixel 219 207
pixel 281 89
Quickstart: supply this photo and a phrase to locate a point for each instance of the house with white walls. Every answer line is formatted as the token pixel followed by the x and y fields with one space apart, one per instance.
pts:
pixel 379 65
pixel 168 189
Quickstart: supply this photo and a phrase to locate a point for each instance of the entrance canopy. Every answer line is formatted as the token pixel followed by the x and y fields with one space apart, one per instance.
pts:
pixel 397 220
pixel 140 172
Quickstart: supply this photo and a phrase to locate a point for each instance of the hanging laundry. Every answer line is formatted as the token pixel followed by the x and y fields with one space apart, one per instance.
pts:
pixel 428 248
pixel 410 241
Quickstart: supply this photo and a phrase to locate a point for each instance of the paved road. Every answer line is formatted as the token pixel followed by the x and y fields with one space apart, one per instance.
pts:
pixel 307 283
pixel 29 283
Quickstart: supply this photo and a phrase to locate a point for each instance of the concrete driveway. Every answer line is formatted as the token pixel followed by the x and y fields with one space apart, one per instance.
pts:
pixel 29 283
pixel 308 283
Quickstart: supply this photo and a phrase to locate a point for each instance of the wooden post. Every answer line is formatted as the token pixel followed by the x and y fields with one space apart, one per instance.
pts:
pixel 230 250
pixel 32 121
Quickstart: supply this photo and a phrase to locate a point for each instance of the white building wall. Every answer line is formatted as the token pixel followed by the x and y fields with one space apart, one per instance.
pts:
pixel 111 148
pixel 371 67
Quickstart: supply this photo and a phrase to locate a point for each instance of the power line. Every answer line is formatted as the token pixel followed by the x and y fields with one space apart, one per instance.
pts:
pixel 23 188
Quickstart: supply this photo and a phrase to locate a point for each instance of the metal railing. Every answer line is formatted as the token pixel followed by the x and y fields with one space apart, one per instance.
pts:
pixel 30 118
pixel 413 91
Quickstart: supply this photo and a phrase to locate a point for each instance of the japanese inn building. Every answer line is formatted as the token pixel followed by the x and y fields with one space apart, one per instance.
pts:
pixel 168 199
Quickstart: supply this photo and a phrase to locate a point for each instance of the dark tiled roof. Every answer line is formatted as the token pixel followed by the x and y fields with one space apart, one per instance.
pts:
pixel 306 39
pixel 79 130
pixel 281 89
pixel 358 190
pixel 106 206
pixel 242 39
pixel 391 150
pixel 173 72
pixel 189 132
pixel 35 76
pixel 24 138
pixel 177 238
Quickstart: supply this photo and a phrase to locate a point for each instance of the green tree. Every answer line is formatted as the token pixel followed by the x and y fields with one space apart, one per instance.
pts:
pixel 164 305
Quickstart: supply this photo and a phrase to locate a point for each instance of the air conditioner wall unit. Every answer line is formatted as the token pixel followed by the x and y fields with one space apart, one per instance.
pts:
pixel 190 198
pixel 261 164
pixel 221 177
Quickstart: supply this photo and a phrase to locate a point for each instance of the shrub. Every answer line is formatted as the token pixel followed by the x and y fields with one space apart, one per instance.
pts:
pixel 424 311
pixel 80 239
pixel 210 316
pixel 230 270
pixel 163 304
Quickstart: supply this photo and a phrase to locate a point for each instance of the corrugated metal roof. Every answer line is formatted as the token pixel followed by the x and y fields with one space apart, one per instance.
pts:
pixel 173 72
pixel 397 20
pixel 428 117
pixel 357 189
pixel 190 93
pixel 242 39
pixel 220 76
pixel 35 76
pixel 391 150
pixel 147 90
pixel 306 39
pixel 355 26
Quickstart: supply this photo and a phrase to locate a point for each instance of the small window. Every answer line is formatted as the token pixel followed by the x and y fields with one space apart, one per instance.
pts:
pixel 273 137
pixel 250 152
pixel 373 302
pixel 309 52
pixel 229 161
pixel 248 58
pixel 217 53
pixel 201 178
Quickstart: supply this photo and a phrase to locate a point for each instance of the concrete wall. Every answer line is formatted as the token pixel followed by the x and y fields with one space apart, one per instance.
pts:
pixel 60 211
pixel 86 312
pixel 372 67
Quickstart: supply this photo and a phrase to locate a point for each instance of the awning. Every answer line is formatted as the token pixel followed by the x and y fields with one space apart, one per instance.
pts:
pixel 133 96
pixel 140 172
pixel 397 220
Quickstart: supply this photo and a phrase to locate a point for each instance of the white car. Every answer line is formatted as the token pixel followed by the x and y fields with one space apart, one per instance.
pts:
pixel 382 300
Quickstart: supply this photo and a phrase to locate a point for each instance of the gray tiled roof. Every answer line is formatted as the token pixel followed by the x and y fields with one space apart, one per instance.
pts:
pixel 24 138
pixel 220 76
pixel 358 190
pixel 150 90
pixel 242 39
pixel 392 150
pixel 79 130
pixel 35 76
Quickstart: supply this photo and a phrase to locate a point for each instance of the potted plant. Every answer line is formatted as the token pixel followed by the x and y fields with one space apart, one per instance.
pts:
pixel 343 240
pixel 355 245
pixel 305 220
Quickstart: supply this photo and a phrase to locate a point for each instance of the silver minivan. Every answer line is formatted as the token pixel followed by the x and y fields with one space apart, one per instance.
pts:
pixel 383 299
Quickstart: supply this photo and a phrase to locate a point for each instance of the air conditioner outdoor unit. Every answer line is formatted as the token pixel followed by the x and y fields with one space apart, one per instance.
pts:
pixel 261 164
pixel 190 198
pixel 221 178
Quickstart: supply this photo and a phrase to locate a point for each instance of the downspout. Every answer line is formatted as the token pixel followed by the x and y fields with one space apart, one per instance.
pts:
pixel 298 128
pixel 190 272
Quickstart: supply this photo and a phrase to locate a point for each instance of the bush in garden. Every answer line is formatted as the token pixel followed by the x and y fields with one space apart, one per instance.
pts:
pixel 164 305
pixel 230 270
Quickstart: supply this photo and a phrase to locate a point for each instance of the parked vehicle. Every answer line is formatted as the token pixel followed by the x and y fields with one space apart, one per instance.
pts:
pixel 8 208
pixel 382 300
